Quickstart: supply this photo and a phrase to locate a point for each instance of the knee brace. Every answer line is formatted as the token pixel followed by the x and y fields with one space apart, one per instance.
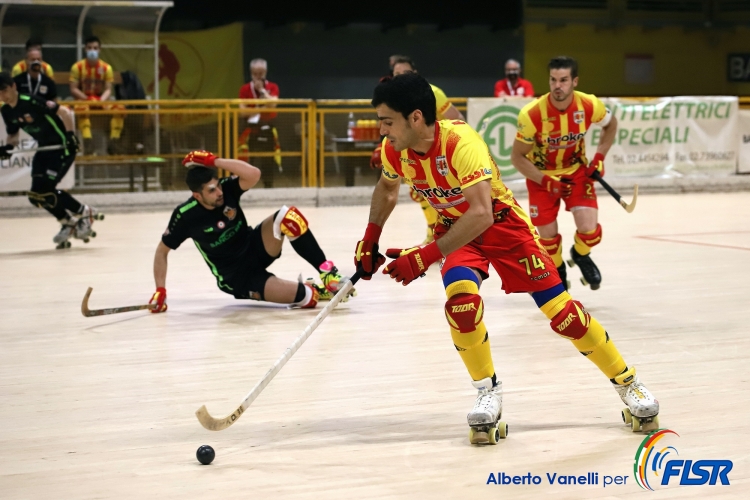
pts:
pixel 43 200
pixel 290 222
pixel 584 242
pixel 572 322
pixel 554 248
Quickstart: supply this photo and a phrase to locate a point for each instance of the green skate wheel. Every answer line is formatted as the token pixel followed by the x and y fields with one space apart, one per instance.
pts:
pixel 584 282
pixel 503 428
pixel 571 263
pixel 63 245
pixel 472 434
pixel 93 234
pixel 637 426
pixel 99 217
pixel 627 417
pixel 494 434
pixel 85 240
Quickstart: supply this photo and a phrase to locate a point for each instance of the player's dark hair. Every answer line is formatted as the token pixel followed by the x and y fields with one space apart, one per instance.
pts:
pixel 196 177
pixel 564 62
pixel 6 80
pixel 33 42
pixel 92 39
pixel 406 93
pixel 405 60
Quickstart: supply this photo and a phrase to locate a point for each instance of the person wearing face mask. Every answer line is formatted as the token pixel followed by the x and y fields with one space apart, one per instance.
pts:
pixel 33 81
pixel 260 135
pixel 21 66
pixel 513 84
pixel 91 80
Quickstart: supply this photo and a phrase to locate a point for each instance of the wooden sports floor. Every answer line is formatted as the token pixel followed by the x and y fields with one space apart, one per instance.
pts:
pixel 374 404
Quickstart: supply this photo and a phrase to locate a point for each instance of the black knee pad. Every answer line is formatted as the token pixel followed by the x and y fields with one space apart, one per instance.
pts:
pixel 43 200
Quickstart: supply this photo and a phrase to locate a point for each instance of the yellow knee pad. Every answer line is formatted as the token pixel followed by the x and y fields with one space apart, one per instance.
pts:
pixel 290 222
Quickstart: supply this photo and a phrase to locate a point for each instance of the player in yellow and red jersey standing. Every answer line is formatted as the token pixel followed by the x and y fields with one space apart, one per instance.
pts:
pixel 91 80
pixel 549 151
pixel 481 224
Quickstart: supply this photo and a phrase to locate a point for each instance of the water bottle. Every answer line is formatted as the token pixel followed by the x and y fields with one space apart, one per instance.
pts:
pixel 350 126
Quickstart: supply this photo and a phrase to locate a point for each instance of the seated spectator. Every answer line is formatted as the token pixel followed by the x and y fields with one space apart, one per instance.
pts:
pixel 261 134
pixel 33 81
pixel 91 80
pixel 513 84
pixel 20 66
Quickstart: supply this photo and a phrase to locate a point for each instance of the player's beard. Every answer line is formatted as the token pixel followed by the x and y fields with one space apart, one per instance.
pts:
pixel 562 96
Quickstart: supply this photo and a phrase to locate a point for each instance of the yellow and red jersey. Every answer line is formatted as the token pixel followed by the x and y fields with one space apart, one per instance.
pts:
pixel 458 159
pixel 557 136
pixel 21 67
pixel 91 79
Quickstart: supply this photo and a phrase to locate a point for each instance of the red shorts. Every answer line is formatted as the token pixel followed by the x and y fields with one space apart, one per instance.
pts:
pixel 543 205
pixel 510 245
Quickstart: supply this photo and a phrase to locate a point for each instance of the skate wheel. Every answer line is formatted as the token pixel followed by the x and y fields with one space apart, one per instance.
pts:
pixel 627 417
pixel 494 435
pixel 99 217
pixel 595 287
pixel 651 425
pixel 503 428
pixel 63 245
pixel 85 240
pixel 637 426
pixel 584 282
pixel 571 263
pixel 93 234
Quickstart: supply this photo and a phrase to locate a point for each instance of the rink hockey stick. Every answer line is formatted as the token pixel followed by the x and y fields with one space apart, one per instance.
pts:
pixel 112 310
pixel 219 424
pixel 34 150
pixel 629 207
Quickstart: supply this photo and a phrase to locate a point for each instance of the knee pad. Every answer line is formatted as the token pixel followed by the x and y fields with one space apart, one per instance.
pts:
pixel 554 248
pixel 590 239
pixel 290 222
pixel 464 312
pixel 43 200
pixel 572 322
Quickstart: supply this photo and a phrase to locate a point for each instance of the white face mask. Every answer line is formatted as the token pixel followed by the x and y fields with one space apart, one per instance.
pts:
pixel 92 55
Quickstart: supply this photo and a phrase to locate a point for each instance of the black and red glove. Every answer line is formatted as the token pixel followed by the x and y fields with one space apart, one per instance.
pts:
pixel 411 263
pixel 376 162
pixel 199 158
pixel 366 256
pixel 596 165
pixel 557 187
pixel 160 299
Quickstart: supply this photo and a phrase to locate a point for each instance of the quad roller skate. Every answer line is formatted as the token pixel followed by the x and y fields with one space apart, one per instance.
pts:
pixel 591 275
pixel 485 426
pixel 83 228
pixel 67 230
pixel 642 411
pixel 323 293
pixel 563 272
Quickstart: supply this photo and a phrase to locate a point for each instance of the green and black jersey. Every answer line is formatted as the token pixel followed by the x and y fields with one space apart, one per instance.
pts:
pixel 36 117
pixel 221 235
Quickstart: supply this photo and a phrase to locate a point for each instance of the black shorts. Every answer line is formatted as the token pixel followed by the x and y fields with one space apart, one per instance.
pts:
pixel 51 165
pixel 250 281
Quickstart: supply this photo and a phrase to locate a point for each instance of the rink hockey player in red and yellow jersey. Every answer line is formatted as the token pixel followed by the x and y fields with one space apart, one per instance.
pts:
pixel 549 151
pixel 480 224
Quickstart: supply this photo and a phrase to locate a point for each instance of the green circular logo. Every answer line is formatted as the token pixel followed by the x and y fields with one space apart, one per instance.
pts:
pixel 498 129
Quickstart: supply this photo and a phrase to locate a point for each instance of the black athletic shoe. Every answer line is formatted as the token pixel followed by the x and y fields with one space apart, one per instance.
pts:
pixel 591 274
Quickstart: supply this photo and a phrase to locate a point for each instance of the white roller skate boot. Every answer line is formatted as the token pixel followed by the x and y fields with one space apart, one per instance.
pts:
pixel 642 412
pixel 67 230
pixel 484 419
pixel 84 229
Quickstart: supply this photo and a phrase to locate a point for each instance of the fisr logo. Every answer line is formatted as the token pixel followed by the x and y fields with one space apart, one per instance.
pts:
pixel 704 471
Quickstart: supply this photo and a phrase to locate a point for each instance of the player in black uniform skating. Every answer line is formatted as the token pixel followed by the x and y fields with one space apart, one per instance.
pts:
pixel 238 254
pixel 50 125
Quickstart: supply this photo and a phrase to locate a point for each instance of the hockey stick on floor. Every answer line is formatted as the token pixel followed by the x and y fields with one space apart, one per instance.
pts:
pixel 112 310
pixel 34 150
pixel 219 424
pixel 629 207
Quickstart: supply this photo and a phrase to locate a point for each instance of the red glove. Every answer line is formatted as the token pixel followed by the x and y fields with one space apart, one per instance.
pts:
pixel 596 165
pixel 366 255
pixel 411 263
pixel 160 299
pixel 199 159
pixel 557 187
pixel 376 163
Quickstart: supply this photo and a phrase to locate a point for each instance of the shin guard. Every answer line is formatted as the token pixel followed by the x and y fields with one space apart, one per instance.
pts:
pixel 290 222
pixel 464 311
pixel 584 242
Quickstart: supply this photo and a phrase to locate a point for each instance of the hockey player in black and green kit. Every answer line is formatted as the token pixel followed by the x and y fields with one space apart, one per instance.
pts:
pixel 238 254
pixel 50 125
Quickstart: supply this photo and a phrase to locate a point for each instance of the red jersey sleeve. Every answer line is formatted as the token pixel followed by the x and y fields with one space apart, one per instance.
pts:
pixel 498 87
pixel 528 88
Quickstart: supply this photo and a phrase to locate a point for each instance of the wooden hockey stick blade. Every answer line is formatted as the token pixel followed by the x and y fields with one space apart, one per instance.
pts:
pixel 112 310
pixel 630 207
pixel 219 424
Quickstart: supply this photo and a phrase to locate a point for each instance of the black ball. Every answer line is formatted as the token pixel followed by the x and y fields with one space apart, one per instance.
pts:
pixel 205 454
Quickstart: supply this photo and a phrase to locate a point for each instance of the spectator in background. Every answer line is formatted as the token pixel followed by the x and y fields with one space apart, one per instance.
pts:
pixel 33 81
pixel 260 134
pixel 21 66
pixel 91 79
pixel 513 84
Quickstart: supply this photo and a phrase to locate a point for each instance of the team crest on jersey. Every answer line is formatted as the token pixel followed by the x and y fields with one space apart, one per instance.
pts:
pixel 230 212
pixel 28 118
pixel 578 116
pixel 221 224
pixel 441 162
pixel 534 210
